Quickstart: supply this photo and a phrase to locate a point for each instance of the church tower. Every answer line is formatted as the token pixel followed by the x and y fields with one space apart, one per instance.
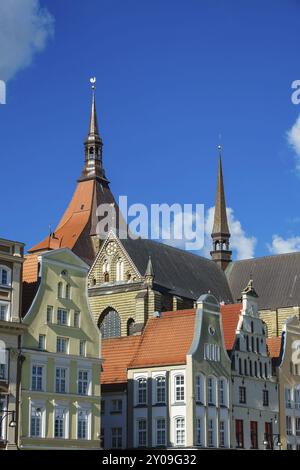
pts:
pixel 78 228
pixel 220 253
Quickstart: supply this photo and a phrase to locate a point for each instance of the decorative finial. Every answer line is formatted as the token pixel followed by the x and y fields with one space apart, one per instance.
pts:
pixel 93 81
pixel 219 148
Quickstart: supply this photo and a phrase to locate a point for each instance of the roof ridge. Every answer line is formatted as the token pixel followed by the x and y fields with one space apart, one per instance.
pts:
pixel 258 258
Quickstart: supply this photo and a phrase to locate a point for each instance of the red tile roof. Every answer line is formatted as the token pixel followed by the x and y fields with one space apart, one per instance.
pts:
pixel 230 315
pixel 166 340
pixel 30 281
pixel 274 346
pixel 117 354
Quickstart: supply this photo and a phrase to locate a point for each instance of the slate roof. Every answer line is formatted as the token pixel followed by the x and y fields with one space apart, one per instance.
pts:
pixel 180 272
pixel 276 279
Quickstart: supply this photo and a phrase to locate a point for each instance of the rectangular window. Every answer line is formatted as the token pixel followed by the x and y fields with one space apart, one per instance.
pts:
pixel 42 342
pixel 180 431
pixel 77 319
pixel 211 391
pixel 4 312
pixel 160 389
pixel 37 378
pixel 62 316
pixel 116 406
pixel 288 425
pixel 142 391
pixel 288 398
pixel 269 435
pixel 242 395
pixel 49 314
pixel 297 427
pixel 199 389
pixel 199 432
pixel 82 347
pixel 3 372
pixel 82 424
pixel 239 433
pixel 222 392
pixel 265 398
pixel 4 276
pixel 116 438
pixel 222 433
pixel 210 436
pixel 179 388
pixel 83 382
pixel 60 379
pixel 254 435
pixel 59 423
pixel 102 407
pixel 161 432
pixel 62 345
pixel 297 398
pixel 36 422
pixel 142 433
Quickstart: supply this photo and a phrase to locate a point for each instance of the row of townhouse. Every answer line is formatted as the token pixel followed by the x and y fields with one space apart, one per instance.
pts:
pixel 203 378
pixel 50 362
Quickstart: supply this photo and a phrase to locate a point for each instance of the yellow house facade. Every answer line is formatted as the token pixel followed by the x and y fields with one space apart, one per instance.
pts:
pixel 60 406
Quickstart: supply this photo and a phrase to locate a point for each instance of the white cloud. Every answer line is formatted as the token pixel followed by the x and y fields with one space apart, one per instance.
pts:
pixel 280 245
pixel 24 30
pixel 242 245
pixel 293 137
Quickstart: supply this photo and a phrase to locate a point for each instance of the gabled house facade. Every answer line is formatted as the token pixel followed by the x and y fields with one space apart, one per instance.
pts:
pixel 61 360
pixel 255 411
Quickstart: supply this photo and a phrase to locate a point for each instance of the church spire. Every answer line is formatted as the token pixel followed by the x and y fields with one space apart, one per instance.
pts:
pixel 220 233
pixel 93 144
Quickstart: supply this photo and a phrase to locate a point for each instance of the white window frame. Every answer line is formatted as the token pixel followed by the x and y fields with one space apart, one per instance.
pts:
pixel 211 390
pixel 8 273
pixel 4 358
pixel 88 380
pixel 288 425
pixel 160 387
pixel 66 379
pixel 120 436
pixel 115 408
pixel 181 429
pixel 62 313
pixel 62 338
pixel 222 391
pixel 143 432
pixel 49 314
pixel 41 406
pixel 61 408
pixel 7 310
pixel 42 346
pixel 82 343
pixel 43 377
pixel 77 319
pixel 222 433
pixel 288 397
pixel 87 412
pixel 143 389
pixel 120 270
pixel 200 388
pixel 179 387
pixel 211 433
pixel 199 431
pixel 163 430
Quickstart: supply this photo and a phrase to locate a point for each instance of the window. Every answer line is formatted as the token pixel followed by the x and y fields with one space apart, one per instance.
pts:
pixel 42 342
pixel 116 406
pixel 68 291
pixel 250 369
pixel 106 277
pixel 37 378
pixel 83 382
pixel 242 395
pixel 180 431
pixel 240 366
pixel 110 325
pixel 62 316
pixel 266 370
pixel 288 398
pixel 260 370
pixel 200 388
pixel 288 425
pixel 298 427
pixel 265 398
pixel 222 433
pixel 179 388
pixel 116 438
pixel 297 398
pixel 102 407
pixel 257 345
pixel 36 422
pixel 3 364
pixel 252 327
pixel 199 432
pixel 62 345
pixel 60 379
pixel 269 435
pixel 247 342
pixel 253 435
pixel 49 313
pixel 77 319
pixel 255 369
pixel 59 423
pixel 4 308
pixel 211 398
pixel 142 433
pixel 252 343
pixel 211 352
pixel 59 290
pixel 245 367
pixel 239 433
pixel 120 270
pixel 222 392
pixel 161 432
pixel 82 347
pixel 5 275
pixel 160 389
pixel 210 436
pixel 130 326
pixel 142 391
pixel 82 424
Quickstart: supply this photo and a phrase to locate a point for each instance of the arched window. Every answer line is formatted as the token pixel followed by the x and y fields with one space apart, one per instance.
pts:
pixel 160 389
pixel 180 431
pixel 59 290
pixel 142 391
pixel 5 276
pixel 120 270
pixel 110 324
pixel 130 326
pixel 68 291
pixel 105 270
pixel 106 277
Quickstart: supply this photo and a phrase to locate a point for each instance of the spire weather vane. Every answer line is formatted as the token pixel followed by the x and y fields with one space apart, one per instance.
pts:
pixel 93 81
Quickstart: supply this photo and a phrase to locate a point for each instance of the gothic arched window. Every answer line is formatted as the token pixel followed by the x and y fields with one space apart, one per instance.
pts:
pixel 130 326
pixel 120 270
pixel 110 323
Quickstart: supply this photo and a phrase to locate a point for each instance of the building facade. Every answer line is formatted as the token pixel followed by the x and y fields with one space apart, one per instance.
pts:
pixel 61 360
pixel 11 331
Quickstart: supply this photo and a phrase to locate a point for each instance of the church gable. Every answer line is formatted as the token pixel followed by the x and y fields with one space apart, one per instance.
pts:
pixel 113 265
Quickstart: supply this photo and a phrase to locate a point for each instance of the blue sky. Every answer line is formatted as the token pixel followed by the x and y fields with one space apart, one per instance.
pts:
pixel 172 76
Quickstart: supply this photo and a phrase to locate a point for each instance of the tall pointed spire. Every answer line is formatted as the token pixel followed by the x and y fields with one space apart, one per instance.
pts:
pixel 93 144
pixel 220 233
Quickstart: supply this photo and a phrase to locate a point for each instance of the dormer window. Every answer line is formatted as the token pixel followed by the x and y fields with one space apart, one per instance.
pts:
pixel 5 276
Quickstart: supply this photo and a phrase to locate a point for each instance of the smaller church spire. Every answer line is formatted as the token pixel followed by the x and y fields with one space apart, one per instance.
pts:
pixel 249 289
pixel 93 144
pixel 149 273
pixel 220 233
